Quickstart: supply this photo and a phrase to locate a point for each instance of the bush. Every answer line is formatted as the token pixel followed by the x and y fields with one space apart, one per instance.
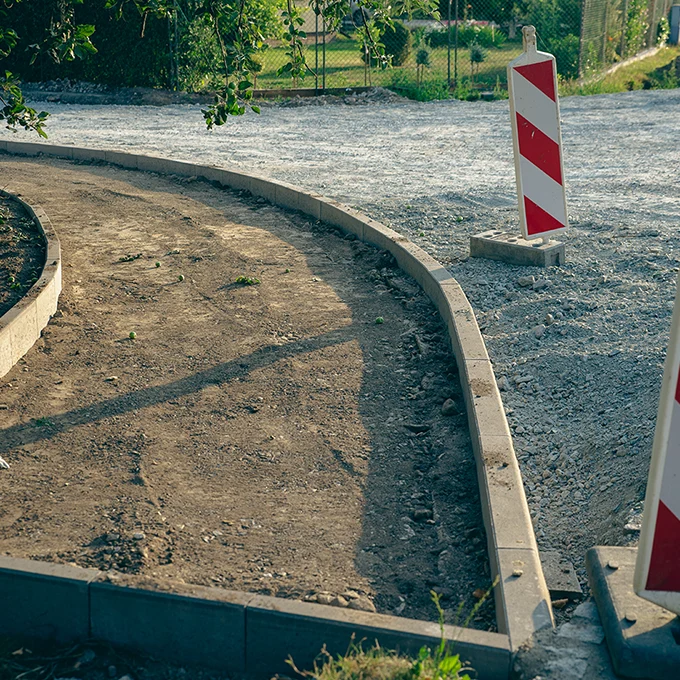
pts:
pixel 566 51
pixel 484 36
pixel 397 40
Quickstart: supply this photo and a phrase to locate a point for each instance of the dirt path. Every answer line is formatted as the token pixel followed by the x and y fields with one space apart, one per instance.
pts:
pixel 252 437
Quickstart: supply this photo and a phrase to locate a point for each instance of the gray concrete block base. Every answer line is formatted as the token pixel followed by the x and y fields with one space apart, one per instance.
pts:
pixel 513 249
pixel 643 638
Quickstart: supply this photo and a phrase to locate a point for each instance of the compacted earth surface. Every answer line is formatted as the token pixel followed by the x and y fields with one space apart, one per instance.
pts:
pixel 235 395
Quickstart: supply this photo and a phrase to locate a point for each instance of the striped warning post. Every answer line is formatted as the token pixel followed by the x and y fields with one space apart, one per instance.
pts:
pixel 537 140
pixel 657 572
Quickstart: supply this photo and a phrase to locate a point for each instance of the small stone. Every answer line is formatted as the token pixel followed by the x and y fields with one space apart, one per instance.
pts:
pixel 362 604
pixel 421 514
pixel 138 536
pixel 339 601
pixel 542 283
pixel 4 465
pixel 630 617
pixel 450 408
pixel 549 319
pixel 351 595
pixel 324 598
pixel 503 384
pixel 111 378
pixel 613 565
pixel 479 593
pixel 526 281
pixel 539 331
pixel 560 604
pixel 111 537
pixel 517 573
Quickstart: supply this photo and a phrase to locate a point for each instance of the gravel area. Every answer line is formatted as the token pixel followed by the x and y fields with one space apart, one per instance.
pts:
pixel 579 352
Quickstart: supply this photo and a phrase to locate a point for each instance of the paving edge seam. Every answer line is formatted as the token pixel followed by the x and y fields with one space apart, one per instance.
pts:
pixel 521 596
pixel 22 324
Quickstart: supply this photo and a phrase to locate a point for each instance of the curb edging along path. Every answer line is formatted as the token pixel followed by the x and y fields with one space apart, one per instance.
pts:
pixel 521 596
pixel 23 323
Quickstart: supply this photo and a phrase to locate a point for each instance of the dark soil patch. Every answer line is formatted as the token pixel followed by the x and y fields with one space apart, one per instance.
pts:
pixel 22 253
pixel 37 660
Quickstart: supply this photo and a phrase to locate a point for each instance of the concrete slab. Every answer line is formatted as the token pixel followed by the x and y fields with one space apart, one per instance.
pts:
pixel 277 629
pixel 560 576
pixel 513 249
pixel 183 624
pixel 643 638
pixel 47 601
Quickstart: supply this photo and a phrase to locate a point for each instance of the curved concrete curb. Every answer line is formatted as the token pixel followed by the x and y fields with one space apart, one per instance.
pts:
pixel 22 325
pixel 522 598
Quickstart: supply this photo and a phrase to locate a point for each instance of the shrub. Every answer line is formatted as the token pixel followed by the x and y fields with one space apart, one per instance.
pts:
pixel 397 40
pixel 485 36
pixel 566 51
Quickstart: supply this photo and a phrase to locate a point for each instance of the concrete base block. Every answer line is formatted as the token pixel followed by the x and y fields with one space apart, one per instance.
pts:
pixel 499 245
pixel 280 628
pixel 192 625
pixel 41 600
pixel 643 638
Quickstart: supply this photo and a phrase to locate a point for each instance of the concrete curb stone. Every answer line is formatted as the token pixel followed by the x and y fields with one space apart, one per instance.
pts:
pixel 522 600
pixel 23 323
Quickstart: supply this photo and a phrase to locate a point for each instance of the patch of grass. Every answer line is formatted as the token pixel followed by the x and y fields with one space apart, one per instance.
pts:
pixel 377 663
pixel 129 258
pixel 247 280
pixel 650 73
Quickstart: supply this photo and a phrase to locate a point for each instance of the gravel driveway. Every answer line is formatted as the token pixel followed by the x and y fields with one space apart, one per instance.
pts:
pixel 582 397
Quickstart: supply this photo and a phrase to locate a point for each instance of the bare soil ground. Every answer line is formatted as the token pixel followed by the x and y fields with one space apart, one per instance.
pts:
pixel 271 437
pixel 22 253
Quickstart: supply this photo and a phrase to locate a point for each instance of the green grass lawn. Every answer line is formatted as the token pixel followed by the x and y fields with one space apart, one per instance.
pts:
pixel 631 77
pixel 345 68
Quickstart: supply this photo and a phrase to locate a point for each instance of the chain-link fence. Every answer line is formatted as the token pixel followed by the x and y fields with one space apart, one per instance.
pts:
pixel 466 48
pixel 614 30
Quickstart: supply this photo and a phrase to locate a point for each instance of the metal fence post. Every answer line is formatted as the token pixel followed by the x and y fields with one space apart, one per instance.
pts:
pixel 448 47
pixel 455 49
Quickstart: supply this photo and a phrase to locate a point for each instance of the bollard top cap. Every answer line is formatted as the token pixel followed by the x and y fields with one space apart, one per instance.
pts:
pixel 529 38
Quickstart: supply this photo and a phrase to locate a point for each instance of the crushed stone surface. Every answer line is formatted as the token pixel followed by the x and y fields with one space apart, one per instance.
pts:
pixel 581 398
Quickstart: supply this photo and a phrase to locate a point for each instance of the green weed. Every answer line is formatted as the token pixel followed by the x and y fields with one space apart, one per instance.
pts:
pixel 247 280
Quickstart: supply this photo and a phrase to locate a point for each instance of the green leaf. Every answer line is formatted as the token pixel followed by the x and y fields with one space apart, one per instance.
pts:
pixel 256 109
pixel 244 85
pixel 450 665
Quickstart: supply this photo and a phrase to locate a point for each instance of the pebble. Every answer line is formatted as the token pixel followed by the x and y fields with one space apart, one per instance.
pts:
pixel 450 408
pixel 503 384
pixel 421 514
pixel 362 604
pixel 138 535
pixel 539 331
pixel 549 319
pixel 541 284
pixel 324 598
pixel 526 281
pixel 339 601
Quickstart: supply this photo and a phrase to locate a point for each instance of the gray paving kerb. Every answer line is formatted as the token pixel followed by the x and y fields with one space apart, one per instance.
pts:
pixel 22 325
pixel 643 638
pixel 522 598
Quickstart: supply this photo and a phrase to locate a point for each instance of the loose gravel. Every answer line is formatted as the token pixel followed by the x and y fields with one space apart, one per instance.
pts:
pixel 579 351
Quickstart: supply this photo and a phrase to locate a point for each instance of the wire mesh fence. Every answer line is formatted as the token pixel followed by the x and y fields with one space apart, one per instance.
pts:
pixel 614 30
pixel 464 48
